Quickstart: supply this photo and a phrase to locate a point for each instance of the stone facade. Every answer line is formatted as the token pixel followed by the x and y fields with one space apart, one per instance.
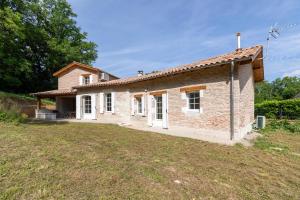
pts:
pixel 212 122
pixel 168 101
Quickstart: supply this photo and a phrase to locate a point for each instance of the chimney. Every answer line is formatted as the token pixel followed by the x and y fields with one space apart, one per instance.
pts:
pixel 238 36
pixel 140 73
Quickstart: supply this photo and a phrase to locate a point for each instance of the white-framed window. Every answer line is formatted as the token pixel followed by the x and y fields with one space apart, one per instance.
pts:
pixel 87 104
pixel 108 102
pixel 139 105
pixel 193 100
pixel 86 80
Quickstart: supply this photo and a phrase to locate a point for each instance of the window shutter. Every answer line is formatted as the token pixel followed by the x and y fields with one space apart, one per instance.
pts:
pixel 183 95
pixel 80 80
pixel 91 78
pixel 93 105
pixel 201 95
pixel 132 106
pixel 150 102
pixel 165 110
pixel 78 106
pixel 143 105
pixel 101 102
pixel 113 102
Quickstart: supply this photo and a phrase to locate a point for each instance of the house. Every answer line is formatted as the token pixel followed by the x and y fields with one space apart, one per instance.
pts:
pixel 211 99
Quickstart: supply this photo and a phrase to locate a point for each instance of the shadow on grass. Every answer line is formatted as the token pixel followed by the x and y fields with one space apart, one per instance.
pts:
pixel 45 122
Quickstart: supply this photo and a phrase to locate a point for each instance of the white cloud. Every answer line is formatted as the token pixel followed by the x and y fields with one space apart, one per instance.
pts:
pixel 292 73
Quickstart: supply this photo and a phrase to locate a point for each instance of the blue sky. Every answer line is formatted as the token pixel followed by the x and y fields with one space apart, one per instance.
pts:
pixel 151 35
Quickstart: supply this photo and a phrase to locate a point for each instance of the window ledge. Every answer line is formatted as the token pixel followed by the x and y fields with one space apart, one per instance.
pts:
pixel 193 110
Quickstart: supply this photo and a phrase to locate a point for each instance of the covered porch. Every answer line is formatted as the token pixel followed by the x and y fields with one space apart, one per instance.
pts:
pixel 65 101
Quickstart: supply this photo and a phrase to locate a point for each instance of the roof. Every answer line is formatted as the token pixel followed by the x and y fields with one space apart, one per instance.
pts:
pixel 75 64
pixel 54 93
pixel 252 54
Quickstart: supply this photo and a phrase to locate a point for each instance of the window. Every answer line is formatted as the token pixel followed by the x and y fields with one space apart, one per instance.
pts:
pixel 87 104
pixel 158 107
pixel 108 102
pixel 194 100
pixel 86 80
pixel 139 105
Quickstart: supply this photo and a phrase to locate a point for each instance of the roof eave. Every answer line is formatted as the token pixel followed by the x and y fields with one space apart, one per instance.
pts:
pixel 199 67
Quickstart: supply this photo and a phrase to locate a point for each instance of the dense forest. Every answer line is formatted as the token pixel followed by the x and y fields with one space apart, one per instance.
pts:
pixel 37 38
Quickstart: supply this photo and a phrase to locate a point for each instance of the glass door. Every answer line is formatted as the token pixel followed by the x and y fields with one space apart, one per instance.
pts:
pixel 158 115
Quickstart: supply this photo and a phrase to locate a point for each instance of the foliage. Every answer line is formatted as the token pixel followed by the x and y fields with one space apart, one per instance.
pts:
pixel 291 127
pixel 11 114
pixel 12 106
pixel 279 109
pixel 12 117
pixel 279 89
pixel 38 38
pixel 277 128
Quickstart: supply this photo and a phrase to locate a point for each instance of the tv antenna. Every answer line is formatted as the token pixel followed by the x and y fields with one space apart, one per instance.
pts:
pixel 274 33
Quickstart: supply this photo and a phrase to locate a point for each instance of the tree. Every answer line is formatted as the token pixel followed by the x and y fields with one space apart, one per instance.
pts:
pixel 38 38
pixel 279 89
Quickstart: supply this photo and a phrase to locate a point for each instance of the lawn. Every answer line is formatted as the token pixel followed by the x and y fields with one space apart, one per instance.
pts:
pixel 95 161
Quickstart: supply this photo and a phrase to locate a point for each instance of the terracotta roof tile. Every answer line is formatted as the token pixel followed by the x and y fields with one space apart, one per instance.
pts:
pixel 52 93
pixel 238 55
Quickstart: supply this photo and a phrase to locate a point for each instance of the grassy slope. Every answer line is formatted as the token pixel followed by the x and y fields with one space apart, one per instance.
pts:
pixel 23 98
pixel 88 161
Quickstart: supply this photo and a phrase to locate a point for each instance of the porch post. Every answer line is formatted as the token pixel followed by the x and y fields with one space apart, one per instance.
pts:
pixel 39 104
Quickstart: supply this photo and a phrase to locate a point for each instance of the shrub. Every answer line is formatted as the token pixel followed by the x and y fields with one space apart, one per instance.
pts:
pixel 289 109
pixel 290 126
pixel 10 113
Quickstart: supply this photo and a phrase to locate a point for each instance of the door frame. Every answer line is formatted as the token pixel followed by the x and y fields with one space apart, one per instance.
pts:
pixel 157 122
pixel 152 118
pixel 86 115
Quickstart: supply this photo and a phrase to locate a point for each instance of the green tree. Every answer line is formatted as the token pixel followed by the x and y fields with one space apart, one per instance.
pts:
pixel 279 89
pixel 38 38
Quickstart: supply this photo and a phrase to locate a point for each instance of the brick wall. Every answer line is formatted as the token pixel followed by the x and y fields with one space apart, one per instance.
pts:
pixel 71 78
pixel 247 86
pixel 215 102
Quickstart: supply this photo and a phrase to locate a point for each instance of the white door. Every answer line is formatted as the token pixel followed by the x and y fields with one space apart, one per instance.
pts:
pixel 87 107
pixel 160 114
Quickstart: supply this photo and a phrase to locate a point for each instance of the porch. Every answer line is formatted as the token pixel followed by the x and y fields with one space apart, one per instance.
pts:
pixel 65 108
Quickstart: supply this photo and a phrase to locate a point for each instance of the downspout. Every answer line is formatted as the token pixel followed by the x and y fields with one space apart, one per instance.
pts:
pixel 231 76
pixel 232 100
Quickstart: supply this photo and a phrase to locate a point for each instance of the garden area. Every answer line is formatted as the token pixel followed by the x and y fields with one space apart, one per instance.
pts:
pixel 95 161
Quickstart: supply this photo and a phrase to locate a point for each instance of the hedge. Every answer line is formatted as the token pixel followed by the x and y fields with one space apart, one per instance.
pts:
pixel 289 109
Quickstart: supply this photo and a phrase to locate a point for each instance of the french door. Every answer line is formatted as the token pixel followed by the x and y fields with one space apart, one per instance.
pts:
pixel 158 110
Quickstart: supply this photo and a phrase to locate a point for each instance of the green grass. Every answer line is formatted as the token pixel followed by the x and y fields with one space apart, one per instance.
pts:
pixel 95 161
pixel 275 130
